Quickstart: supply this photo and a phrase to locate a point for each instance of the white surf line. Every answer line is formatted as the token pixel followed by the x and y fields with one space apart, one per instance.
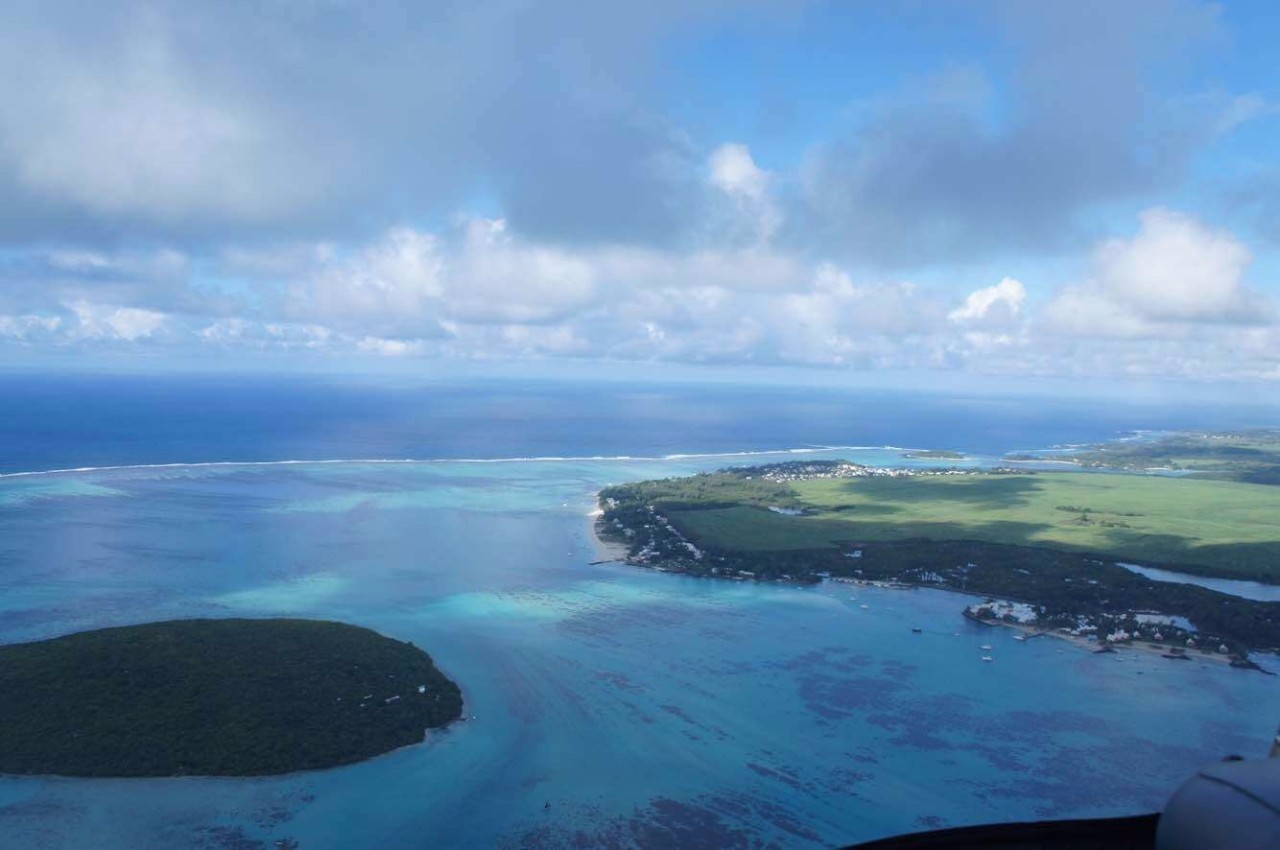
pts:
pixel 443 460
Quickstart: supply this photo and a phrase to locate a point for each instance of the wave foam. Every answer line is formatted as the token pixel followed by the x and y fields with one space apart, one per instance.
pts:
pixel 426 461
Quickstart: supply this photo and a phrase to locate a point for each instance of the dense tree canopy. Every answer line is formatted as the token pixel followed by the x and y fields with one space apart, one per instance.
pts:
pixel 215 697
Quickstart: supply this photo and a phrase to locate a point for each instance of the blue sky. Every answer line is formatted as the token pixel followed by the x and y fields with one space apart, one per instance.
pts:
pixel 977 188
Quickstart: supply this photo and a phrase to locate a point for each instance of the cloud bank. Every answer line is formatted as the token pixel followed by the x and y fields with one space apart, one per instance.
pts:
pixel 505 180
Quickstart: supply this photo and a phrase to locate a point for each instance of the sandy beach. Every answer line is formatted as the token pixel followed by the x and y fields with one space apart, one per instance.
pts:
pixel 605 550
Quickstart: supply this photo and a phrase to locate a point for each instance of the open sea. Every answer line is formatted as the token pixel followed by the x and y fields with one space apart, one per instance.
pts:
pixel 647 709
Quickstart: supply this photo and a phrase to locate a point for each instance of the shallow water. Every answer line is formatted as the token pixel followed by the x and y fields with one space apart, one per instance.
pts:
pixel 646 708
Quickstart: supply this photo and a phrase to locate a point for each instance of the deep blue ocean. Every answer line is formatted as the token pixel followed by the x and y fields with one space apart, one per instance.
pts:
pixel 58 422
pixel 649 710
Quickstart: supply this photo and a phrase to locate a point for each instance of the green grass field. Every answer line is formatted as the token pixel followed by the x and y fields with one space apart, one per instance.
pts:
pixel 1228 528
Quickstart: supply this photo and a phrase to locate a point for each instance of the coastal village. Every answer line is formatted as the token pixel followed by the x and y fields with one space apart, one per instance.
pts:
pixel 1170 636
pixel 784 473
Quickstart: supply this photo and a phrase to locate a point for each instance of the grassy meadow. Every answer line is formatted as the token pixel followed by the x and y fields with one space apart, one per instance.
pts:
pixel 1223 527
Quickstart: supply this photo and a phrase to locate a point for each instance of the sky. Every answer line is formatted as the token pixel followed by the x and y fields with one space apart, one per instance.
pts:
pixel 959 188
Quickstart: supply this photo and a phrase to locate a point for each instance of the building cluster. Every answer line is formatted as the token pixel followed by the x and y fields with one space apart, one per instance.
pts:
pixel 805 472
pixel 649 551
pixel 1010 612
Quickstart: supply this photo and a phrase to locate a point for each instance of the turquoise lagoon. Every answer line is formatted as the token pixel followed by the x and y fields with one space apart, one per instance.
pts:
pixel 647 709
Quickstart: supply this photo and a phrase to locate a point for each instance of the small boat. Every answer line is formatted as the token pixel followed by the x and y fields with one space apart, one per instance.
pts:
pixel 864 606
pixel 915 630
pixel 987 658
pixel 1019 637
pixel 986 647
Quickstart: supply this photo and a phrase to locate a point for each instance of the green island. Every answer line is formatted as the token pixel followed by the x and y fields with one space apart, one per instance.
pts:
pixel 229 697
pixel 1251 456
pixel 1048 541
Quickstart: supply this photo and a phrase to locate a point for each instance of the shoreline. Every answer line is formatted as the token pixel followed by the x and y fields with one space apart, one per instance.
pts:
pixel 1115 648
pixel 657 548
pixel 607 551
pixel 616 553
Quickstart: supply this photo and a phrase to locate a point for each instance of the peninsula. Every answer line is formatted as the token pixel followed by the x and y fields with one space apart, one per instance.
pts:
pixel 1251 456
pixel 229 697
pixel 1052 541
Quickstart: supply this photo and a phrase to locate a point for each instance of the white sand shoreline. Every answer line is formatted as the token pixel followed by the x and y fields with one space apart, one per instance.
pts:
pixel 606 550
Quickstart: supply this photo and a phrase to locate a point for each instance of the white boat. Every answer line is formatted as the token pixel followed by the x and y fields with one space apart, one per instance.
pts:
pixel 986 647
pixel 987 658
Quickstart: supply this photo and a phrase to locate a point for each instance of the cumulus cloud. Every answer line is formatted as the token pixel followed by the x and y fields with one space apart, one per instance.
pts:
pixel 497 279
pixel 735 173
pixel 1087 312
pixel 991 317
pixel 411 284
pixel 1174 273
pixel 392 286
pixel 1171 296
pixel 1177 269
pixel 416 284
pixel 998 304
pixel 754 214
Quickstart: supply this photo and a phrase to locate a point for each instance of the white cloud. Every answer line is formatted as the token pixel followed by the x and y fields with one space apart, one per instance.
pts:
pixel 498 279
pixel 103 321
pixel 29 327
pixel 1086 312
pixel 1177 269
pixel 1175 273
pixel 388 347
pixel 227 331
pixel 839 322
pixel 392 287
pixel 734 172
pixel 481 291
pixel 1001 303
pixel 414 284
pixel 299 335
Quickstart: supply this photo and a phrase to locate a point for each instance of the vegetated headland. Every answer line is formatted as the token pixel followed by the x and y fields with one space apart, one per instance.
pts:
pixel 1048 541
pixel 226 697
pixel 1251 456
